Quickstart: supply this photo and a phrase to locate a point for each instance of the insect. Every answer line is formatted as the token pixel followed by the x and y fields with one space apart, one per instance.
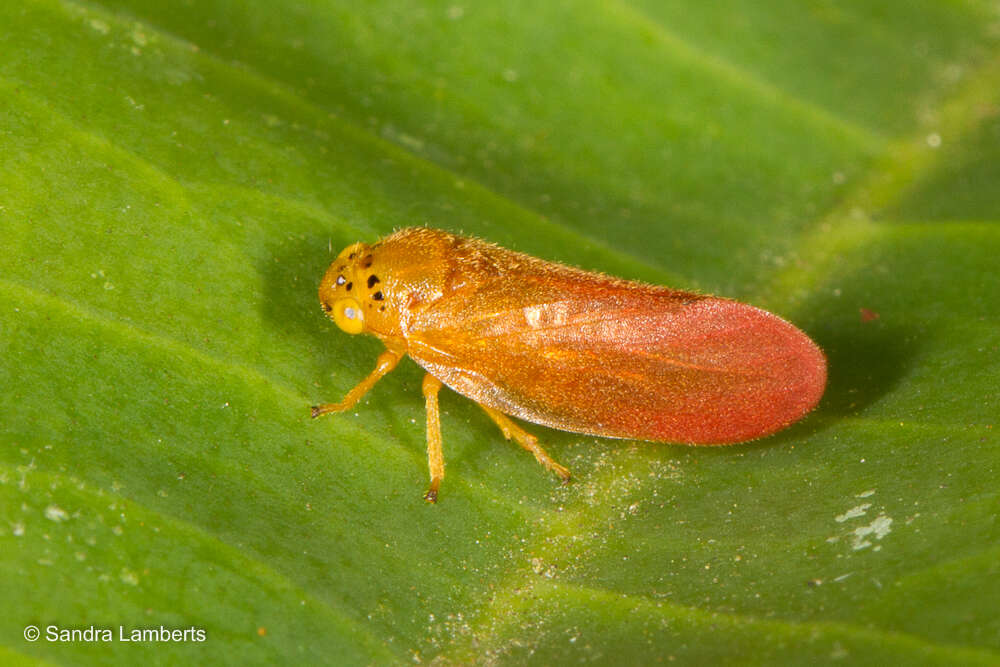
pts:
pixel 566 348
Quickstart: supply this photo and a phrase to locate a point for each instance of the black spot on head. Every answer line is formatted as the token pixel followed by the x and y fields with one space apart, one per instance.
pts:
pixel 352 255
pixel 381 309
pixel 372 279
pixel 367 262
pixel 348 286
pixel 377 295
pixel 327 307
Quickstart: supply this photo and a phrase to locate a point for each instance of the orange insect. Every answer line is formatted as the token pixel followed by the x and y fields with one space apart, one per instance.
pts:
pixel 567 348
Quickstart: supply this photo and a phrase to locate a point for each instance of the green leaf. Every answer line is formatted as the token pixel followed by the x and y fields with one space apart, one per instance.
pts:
pixel 175 177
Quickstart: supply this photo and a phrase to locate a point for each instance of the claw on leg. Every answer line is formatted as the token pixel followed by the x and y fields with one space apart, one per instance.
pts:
pixel 432 493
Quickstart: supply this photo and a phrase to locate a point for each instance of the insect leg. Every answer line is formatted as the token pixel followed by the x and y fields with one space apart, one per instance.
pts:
pixel 435 458
pixel 526 440
pixel 385 363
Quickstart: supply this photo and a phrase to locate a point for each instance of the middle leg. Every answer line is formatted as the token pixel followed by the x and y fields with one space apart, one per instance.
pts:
pixel 435 457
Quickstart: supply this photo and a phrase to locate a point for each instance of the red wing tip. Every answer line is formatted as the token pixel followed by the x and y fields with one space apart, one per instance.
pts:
pixel 773 408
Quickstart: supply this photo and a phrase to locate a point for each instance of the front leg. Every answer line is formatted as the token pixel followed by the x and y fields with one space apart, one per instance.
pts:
pixel 385 363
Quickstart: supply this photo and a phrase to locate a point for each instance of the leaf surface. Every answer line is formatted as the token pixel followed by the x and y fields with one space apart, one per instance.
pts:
pixel 175 177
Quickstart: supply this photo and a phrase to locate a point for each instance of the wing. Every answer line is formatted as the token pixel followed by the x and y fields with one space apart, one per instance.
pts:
pixel 582 352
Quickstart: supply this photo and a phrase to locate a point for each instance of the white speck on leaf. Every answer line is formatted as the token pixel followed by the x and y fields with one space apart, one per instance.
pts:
pixel 877 529
pixel 55 513
pixel 852 513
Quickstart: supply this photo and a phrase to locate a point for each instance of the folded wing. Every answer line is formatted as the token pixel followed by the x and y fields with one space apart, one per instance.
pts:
pixel 594 355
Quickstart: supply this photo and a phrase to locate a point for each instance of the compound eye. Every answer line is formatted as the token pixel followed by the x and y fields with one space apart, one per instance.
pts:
pixel 348 316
